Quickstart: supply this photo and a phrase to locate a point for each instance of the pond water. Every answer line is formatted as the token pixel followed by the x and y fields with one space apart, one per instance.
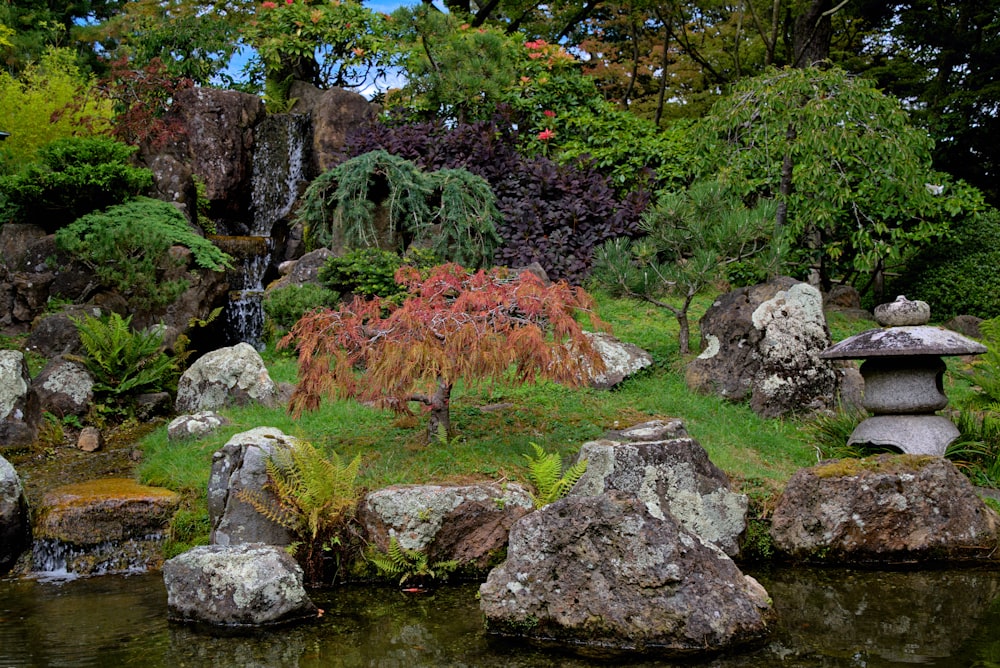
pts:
pixel 827 617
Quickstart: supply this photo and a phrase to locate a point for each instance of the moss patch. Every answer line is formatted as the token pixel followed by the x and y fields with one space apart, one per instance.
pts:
pixel 843 468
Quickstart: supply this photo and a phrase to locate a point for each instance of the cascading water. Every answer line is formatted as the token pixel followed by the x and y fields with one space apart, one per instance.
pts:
pixel 279 171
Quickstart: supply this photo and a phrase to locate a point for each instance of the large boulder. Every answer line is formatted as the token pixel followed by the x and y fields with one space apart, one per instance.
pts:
pixel 15 526
pixel 762 343
pixel 334 113
pixel 235 375
pixel 601 572
pixel 107 525
pixel 236 586
pixel 466 523
pixel 55 334
pixel 20 415
pixel 671 474
pixel 621 359
pixel 64 388
pixel 239 467
pixel 883 509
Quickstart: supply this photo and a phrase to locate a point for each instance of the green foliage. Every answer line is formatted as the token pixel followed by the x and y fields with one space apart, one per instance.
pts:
pixel 379 200
pixel 977 449
pixel 365 272
pixel 73 177
pixel 828 433
pixel 410 565
pixel 49 100
pixel 128 248
pixel 284 306
pixel 841 158
pixel 691 237
pixel 545 471
pixel 123 363
pixel 986 368
pixel 310 494
pixel 957 276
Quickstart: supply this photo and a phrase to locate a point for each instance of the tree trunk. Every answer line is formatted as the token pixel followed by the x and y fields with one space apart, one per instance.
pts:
pixel 440 421
pixel 811 34
pixel 685 332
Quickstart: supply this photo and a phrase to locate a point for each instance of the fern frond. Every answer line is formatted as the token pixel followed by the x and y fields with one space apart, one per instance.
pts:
pixel 546 474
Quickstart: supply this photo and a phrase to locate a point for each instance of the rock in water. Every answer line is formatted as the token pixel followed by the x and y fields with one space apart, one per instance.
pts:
pixel 885 508
pixel 602 573
pixel 242 585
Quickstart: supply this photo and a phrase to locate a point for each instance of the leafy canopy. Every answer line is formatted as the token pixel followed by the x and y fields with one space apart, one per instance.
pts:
pixel 487 326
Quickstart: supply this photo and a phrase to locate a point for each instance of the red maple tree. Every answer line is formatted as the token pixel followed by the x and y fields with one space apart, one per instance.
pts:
pixel 491 326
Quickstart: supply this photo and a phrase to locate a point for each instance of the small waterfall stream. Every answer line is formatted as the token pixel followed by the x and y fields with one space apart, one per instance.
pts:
pixel 280 161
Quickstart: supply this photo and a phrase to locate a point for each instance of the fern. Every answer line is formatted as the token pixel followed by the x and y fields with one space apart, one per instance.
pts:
pixel 311 495
pixel 545 470
pixel 408 563
pixel 986 369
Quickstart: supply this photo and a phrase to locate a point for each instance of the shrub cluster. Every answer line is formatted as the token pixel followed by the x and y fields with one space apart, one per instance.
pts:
pixel 552 214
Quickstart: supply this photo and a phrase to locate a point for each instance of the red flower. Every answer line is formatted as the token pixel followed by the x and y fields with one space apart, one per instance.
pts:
pixel 546 134
pixel 268 5
pixel 288 2
pixel 549 113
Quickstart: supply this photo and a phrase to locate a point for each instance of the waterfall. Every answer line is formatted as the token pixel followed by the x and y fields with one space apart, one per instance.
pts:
pixel 280 160
pixel 55 560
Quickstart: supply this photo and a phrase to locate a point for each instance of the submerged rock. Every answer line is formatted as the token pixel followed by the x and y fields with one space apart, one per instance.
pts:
pixel 467 523
pixel 110 525
pixel 15 528
pixel 601 572
pixel 236 586
pixel 884 508
pixel 671 474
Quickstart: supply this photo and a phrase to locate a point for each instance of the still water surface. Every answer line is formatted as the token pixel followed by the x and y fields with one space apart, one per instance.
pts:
pixel 827 617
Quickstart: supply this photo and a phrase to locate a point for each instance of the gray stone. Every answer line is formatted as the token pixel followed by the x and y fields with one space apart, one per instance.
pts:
pixel 20 415
pixel 195 425
pixel 621 359
pixel 903 312
pixel 334 113
pixel 886 508
pixel 228 376
pixel 55 334
pixel 903 341
pixel 895 385
pixel 64 387
pixel 238 586
pixel 910 434
pixel 302 271
pixel 239 467
pixel 967 325
pixel 671 477
pixel 762 343
pixel 466 523
pixel 90 439
pixel 601 572
pixel 15 525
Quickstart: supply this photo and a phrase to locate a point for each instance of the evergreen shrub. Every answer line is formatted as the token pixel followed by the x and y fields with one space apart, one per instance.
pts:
pixel 127 247
pixel 73 177
pixel 371 272
pixel 284 306
pixel 552 214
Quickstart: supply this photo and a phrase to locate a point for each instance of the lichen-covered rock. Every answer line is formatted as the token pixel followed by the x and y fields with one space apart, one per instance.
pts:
pixel 236 586
pixel 64 388
pixel 228 376
pixel 20 414
pixel 670 475
pixel 15 527
pixel 762 343
pixel 56 334
pixel 467 523
pixel 195 425
pixel 903 313
pixel 884 508
pixel 240 466
pixel 621 359
pixel 601 572
pixel 108 525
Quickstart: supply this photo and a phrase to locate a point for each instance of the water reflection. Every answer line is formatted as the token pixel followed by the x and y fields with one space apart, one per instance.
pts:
pixel 828 617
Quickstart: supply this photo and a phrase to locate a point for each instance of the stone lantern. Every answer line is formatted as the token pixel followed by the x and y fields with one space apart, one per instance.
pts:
pixel 903 373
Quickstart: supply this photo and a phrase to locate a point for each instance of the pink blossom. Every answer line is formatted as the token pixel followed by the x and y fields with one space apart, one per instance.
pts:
pixel 549 113
pixel 546 134
pixel 268 5
pixel 288 2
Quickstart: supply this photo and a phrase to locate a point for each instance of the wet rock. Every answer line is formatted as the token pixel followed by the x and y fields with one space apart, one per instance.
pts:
pixel 885 508
pixel 109 525
pixel 601 572
pixel 467 523
pixel 20 415
pixel 302 271
pixel 621 359
pixel 236 586
pixel 90 439
pixel 762 343
pixel 239 466
pixel 672 476
pixel 64 387
pixel 195 425
pixel 228 376
pixel 15 526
